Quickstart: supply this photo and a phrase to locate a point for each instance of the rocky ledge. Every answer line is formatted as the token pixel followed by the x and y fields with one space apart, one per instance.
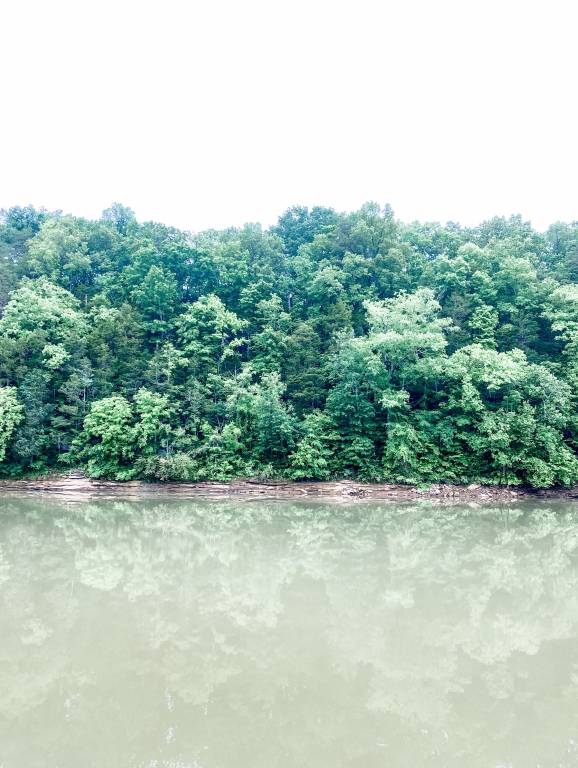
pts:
pixel 76 486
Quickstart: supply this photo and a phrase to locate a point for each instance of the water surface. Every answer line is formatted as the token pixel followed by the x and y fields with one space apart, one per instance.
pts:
pixel 286 635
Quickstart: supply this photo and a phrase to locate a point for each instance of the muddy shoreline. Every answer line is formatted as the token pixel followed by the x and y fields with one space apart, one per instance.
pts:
pixel 75 486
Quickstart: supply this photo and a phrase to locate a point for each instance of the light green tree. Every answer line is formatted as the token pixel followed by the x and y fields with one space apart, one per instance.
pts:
pixel 209 335
pixel 313 455
pixel 107 441
pixel 11 414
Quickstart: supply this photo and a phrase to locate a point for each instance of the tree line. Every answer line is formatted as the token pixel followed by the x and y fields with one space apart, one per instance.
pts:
pixel 329 345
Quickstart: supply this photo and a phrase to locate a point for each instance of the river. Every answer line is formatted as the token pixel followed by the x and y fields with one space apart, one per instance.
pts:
pixel 247 634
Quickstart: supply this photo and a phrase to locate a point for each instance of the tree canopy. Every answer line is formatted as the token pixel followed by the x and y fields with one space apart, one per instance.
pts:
pixel 329 345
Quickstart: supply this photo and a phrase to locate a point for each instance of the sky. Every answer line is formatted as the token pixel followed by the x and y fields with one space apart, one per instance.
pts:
pixel 213 113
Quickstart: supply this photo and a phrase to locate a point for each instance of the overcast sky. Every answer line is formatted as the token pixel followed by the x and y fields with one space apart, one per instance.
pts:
pixel 206 114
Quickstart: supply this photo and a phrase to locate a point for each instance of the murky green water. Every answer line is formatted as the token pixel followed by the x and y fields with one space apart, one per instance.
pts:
pixel 265 635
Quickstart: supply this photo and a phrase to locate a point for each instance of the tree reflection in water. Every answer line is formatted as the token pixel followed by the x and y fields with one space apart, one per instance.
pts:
pixel 252 634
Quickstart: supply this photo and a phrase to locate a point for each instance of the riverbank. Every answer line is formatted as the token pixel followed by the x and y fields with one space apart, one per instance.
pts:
pixel 76 486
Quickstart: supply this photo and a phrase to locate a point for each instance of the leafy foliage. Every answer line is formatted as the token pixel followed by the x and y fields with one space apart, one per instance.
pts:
pixel 331 345
pixel 10 417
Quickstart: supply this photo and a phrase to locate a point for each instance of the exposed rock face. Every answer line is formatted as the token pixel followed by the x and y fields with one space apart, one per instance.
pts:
pixel 75 485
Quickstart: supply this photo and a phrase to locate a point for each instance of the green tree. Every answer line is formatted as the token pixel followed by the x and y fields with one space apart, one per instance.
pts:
pixel 107 441
pixel 152 432
pixel 312 457
pixel 209 335
pixel 11 414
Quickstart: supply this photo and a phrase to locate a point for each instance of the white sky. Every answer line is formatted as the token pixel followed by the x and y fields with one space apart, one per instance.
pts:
pixel 211 113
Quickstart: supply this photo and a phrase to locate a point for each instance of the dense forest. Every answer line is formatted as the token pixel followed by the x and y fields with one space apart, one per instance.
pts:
pixel 330 345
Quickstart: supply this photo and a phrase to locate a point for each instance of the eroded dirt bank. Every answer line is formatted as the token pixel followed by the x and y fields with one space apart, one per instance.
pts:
pixel 75 486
